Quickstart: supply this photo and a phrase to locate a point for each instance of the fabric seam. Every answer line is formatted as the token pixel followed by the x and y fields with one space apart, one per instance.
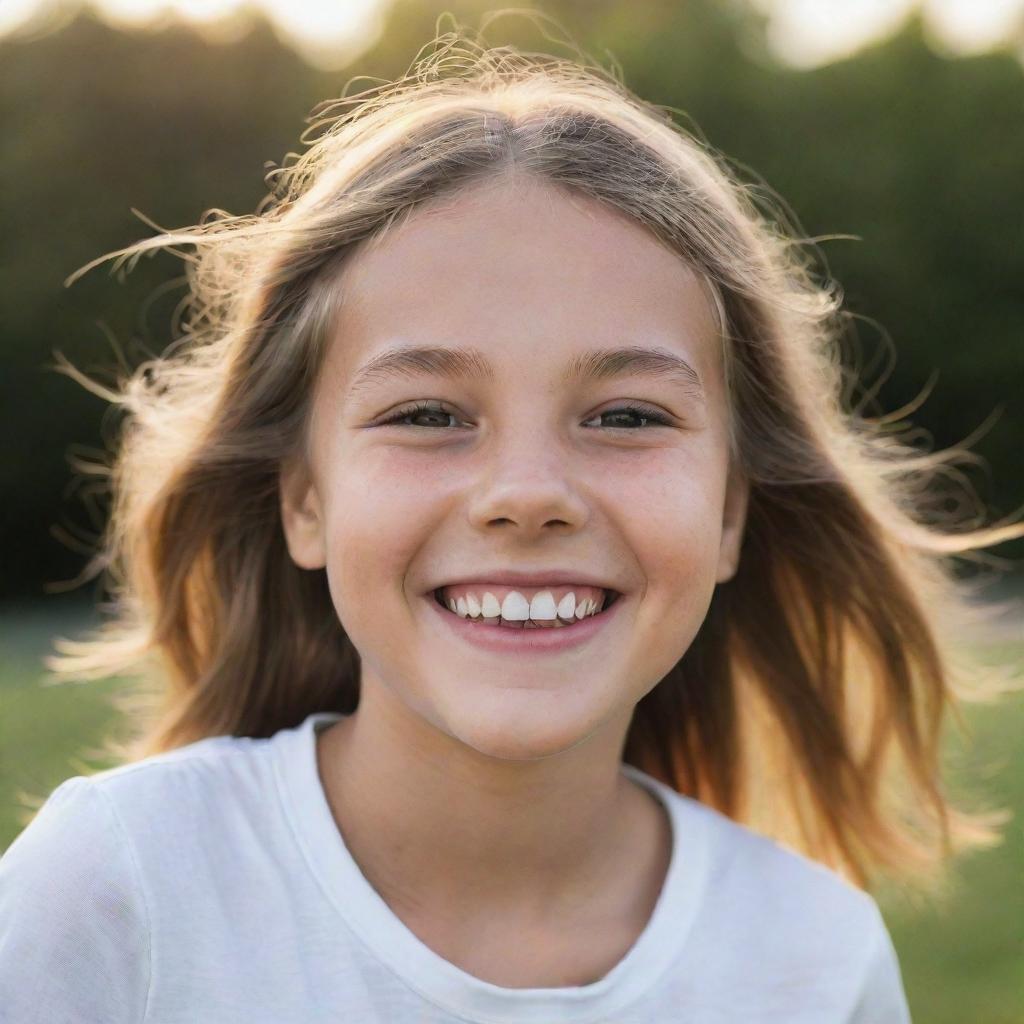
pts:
pixel 130 846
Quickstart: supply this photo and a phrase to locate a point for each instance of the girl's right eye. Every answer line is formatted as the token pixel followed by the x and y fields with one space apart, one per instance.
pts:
pixel 412 412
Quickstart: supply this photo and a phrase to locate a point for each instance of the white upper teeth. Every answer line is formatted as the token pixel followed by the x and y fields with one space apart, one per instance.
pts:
pixel 516 608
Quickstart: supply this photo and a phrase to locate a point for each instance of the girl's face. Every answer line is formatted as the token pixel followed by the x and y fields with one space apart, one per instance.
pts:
pixel 524 462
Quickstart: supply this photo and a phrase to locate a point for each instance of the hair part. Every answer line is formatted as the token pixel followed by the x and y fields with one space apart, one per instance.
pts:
pixel 810 704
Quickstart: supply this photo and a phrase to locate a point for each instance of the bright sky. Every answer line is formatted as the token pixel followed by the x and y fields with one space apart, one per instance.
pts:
pixel 329 33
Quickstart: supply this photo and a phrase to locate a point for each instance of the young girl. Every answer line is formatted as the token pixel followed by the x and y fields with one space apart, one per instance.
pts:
pixel 504 353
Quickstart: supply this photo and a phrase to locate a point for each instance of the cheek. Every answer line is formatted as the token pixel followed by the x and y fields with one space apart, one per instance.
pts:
pixel 669 506
pixel 376 524
pixel 672 527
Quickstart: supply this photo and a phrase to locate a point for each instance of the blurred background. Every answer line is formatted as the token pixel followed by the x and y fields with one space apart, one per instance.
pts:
pixel 893 132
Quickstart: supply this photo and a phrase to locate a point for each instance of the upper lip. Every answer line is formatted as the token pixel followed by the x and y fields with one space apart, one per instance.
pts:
pixel 517 578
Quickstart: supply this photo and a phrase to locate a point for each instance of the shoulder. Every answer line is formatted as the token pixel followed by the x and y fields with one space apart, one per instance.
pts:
pixel 779 872
pixel 191 813
pixel 758 883
pixel 808 933
pixel 188 785
pixel 74 923
pixel 183 800
pixel 111 856
pixel 805 928
pixel 117 806
pixel 770 872
pixel 76 841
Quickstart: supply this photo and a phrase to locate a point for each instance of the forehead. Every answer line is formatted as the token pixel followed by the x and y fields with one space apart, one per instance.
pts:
pixel 524 270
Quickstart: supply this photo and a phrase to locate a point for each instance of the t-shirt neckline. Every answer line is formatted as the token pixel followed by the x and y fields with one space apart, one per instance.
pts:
pixel 445 984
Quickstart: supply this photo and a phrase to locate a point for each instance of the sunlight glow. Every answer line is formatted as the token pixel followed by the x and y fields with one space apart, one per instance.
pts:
pixel 129 13
pixel 329 34
pixel 204 10
pixel 808 33
pixel 14 13
pixel 967 26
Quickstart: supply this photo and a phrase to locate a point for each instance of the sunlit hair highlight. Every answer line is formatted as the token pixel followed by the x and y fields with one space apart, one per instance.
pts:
pixel 811 702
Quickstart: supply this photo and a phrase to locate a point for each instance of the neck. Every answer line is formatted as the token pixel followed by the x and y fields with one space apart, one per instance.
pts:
pixel 437 827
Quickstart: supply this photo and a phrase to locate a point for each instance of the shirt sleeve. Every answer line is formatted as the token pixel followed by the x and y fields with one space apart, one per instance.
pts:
pixel 74 928
pixel 882 998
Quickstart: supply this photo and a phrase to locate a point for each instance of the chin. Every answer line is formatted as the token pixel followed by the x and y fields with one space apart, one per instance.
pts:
pixel 505 732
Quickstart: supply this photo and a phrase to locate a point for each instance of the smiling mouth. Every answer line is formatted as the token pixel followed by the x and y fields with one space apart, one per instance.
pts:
pixel 610 597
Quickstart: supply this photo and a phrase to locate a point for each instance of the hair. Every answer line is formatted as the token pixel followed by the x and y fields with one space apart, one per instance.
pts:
pixel 810 704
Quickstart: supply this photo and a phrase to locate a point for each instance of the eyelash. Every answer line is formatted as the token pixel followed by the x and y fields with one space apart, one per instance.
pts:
pixel 656 418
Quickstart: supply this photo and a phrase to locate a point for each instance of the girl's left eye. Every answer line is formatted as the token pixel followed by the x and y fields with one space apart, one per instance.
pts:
pixel 652 416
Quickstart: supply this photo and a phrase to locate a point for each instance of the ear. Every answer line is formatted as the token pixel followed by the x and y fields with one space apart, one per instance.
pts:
pixel 302 515
pixel 734 519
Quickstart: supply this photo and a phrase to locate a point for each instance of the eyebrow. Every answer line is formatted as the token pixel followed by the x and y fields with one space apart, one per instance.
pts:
pixel 472 364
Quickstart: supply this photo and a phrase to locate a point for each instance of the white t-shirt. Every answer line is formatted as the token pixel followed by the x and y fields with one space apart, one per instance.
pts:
pixel 211 885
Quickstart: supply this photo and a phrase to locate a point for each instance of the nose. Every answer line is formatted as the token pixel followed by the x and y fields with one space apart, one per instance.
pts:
pixel 527 481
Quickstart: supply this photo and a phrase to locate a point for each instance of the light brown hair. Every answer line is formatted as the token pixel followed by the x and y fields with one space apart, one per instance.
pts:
pixel 810 704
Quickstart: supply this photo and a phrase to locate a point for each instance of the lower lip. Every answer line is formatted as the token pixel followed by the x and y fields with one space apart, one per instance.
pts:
pixel 511 640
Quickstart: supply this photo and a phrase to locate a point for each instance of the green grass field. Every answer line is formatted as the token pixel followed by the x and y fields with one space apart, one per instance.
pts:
pixel 961 965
